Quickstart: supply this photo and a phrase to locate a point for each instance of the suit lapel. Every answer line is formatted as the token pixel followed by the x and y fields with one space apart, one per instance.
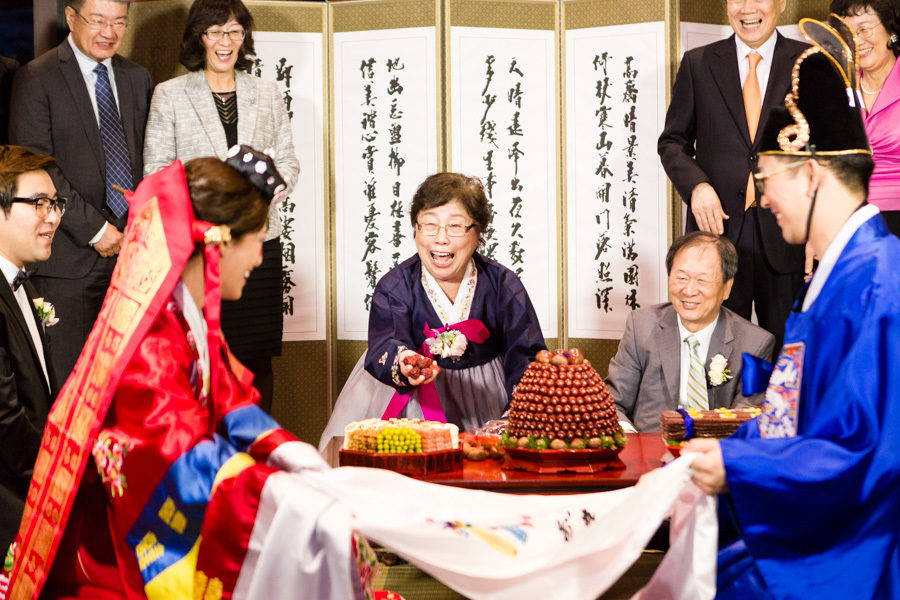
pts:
pixel 68 64
pixel 200 97
pixel 724 70
pixel 126 112
pixel 247 99
pixel 779 81
pixel 721 342
pixel 32 294
pixel 670 354
pixel 7 296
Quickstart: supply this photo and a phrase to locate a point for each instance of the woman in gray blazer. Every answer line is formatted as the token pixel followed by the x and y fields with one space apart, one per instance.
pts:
pixel 204 113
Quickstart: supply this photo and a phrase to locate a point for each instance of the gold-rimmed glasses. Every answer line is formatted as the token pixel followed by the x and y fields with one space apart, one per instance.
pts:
pixel 759 179
pixel 867 31
pixel 99 23
pixel 235 35
pixel 453 229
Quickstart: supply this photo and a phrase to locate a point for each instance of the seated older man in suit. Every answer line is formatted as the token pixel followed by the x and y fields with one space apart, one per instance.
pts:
pixel 30 212
pixel 664 357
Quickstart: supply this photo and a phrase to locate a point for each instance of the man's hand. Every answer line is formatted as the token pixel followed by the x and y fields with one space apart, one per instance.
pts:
pixel 110 242
pixel 709 471
pixel 407 369
pixel 707 209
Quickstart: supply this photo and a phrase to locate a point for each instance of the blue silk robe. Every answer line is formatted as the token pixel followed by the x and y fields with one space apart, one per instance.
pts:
pixel 400 309
pixel 818 512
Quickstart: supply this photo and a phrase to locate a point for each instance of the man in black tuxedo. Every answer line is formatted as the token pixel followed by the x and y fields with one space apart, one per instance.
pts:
pixel 30 212
pixel 723 94
pixel 87 107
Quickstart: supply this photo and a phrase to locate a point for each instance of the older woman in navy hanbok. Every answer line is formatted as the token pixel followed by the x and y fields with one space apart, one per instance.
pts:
pixel 469 312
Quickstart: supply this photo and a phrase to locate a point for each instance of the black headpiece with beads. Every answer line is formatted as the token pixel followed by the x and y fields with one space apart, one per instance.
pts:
pixel 257 167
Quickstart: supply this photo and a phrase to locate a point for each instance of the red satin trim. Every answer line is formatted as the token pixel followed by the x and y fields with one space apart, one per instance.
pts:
pixel 267 442
pixel 67 441
pixel 228 527
pixel 475 331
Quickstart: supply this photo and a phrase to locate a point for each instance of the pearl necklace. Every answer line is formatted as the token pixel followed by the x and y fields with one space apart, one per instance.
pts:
pixel 865 91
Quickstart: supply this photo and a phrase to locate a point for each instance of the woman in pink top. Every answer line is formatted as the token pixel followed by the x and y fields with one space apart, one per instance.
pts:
pixel 877 25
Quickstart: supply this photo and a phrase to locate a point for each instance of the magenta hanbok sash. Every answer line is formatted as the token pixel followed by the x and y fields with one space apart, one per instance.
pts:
pixel 475 331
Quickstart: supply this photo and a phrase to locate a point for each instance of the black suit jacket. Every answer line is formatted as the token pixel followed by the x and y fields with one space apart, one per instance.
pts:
pixel 7 69
pixel 706 137
pixel 52 113
pixel 25 400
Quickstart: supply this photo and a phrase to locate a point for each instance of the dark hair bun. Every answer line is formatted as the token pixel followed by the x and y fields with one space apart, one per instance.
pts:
pixel 258 168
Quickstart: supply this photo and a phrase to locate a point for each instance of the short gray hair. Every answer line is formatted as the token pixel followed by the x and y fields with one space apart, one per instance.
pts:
pixel 726 250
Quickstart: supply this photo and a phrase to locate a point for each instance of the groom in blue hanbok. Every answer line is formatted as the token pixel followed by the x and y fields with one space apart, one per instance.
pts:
pixel 811 489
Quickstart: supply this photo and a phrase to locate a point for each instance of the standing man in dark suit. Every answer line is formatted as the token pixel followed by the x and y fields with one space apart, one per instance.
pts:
pixel 7 69
pixel 723 94
pixel 87 107
pixel 30 212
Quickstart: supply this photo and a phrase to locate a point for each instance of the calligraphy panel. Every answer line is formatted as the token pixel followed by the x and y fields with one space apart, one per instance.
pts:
pixel 616 190
pixel 503 86
pixel 294 61
pixel 385 135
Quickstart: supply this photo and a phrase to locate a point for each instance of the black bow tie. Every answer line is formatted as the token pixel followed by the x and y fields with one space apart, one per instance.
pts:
pixel 19 279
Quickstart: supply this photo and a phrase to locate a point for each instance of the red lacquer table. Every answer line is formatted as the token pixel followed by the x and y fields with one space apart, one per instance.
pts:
pixel 643 453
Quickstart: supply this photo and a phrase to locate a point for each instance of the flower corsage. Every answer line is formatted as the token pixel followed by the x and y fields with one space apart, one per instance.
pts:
pixel 718 372
pixel 46 311
pixel 448 344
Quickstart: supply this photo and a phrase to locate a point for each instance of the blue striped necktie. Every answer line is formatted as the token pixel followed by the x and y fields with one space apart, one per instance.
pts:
pixel 118 162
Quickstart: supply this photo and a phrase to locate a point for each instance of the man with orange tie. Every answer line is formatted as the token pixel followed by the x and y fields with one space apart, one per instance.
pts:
pixel 722 96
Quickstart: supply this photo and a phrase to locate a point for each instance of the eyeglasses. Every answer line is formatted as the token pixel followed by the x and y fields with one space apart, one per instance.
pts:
pixel 99 24
pixel 759 180
pixel 235 35
pixel 866 31
pixel 453 229
pixel 43 205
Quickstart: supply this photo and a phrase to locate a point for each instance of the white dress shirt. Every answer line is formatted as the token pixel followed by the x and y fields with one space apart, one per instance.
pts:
pixel 766 51
pixel 9 272
pixel 703 336
pixel 86 65
pixel 833 252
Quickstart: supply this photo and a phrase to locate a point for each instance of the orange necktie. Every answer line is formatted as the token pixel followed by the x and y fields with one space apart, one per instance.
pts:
pixel 752 108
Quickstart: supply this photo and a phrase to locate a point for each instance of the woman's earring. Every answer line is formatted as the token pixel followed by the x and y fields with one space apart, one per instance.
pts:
pixel 893 38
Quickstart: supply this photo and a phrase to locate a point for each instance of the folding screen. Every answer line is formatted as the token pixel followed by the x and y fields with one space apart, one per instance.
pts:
pixel 502 62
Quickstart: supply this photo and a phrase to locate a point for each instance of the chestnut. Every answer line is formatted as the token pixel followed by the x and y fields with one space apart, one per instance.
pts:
pixel 576 357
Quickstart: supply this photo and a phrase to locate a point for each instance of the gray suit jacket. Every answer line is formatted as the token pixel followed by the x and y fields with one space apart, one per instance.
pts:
pixel 184 124
pixel 645 374
pixel 52 113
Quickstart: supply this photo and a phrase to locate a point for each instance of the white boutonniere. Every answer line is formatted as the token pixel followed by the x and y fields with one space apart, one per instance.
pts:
pixel 718 372
pixel 46 311
pixel 448 344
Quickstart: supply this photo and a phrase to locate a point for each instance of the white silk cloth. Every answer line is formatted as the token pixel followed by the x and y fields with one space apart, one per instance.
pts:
pixel 485 545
